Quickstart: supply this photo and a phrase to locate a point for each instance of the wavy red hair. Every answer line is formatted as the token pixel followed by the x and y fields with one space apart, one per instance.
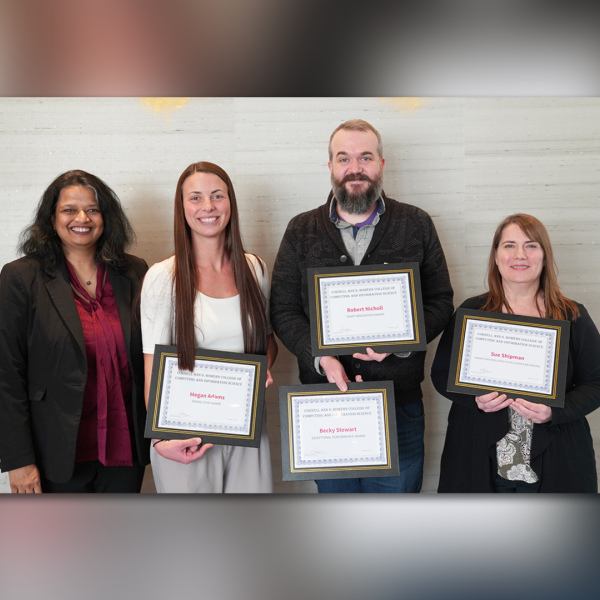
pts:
pixel 557 306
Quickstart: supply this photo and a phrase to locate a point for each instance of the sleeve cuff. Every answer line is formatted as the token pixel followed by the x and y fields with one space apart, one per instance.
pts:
pixel 318 365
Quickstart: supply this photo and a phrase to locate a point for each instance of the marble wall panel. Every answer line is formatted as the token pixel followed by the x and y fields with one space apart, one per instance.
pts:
pixel 468 162
pixel 539 156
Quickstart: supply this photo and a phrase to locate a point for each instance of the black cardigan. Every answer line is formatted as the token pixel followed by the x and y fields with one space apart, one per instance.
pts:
pixel 404 233
pixel 562 452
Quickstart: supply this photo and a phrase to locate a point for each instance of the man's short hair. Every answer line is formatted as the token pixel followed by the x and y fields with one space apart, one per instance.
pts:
pixel 358 125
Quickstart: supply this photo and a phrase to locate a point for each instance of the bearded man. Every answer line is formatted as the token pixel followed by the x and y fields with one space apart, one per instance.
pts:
pixel 358 225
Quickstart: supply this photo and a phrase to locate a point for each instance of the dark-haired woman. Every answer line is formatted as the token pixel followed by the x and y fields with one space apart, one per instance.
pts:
pixel 209 294
pixel 500 442
pixel 71 366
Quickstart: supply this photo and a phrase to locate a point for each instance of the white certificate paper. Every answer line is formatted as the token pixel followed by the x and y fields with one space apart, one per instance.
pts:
pixel 505 355
pixel 216 397
pixel 364 310
pixel 339 430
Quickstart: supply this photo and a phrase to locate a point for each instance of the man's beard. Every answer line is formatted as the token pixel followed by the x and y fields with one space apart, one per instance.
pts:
pixel 357 203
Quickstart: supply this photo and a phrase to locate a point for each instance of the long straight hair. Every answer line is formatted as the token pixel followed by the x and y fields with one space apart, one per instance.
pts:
pixel 557 306
pixel 187 278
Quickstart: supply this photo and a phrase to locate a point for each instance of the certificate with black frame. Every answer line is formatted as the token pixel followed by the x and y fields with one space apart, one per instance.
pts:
pixel 222 400
pixel 375 306
pixel 524 357
pixel 329 434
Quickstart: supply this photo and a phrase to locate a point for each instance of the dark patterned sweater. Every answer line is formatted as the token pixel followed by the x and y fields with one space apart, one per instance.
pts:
pixel 404 233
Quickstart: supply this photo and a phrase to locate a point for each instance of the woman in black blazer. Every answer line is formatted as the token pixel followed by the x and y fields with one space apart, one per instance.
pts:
pixel 71 366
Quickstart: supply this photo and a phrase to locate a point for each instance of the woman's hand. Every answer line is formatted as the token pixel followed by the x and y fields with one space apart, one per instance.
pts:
pixel 538 413
pixel 493 402
pixel 269 379
pixel 182 451
pixel 371 355
pixel 25 480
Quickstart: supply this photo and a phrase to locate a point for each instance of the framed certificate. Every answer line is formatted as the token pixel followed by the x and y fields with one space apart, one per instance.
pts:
pixel 222 400
pixel 523 357
pixel 375 306
pixel 328 434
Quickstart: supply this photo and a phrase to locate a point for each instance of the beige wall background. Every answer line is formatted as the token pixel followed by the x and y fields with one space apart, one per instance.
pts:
pixel 469 162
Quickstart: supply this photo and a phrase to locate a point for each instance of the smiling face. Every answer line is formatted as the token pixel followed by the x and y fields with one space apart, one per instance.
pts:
pixel 356 170
pixel 206 204
pixel 77 219
pixel 520 260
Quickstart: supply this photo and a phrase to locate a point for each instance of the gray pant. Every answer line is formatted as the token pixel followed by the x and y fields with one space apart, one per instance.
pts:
pixel 223 469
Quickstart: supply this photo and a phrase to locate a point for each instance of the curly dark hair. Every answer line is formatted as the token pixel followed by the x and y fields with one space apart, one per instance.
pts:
pixel 39 240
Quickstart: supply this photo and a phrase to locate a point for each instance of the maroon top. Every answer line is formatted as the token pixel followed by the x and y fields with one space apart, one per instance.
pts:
pixel 106 418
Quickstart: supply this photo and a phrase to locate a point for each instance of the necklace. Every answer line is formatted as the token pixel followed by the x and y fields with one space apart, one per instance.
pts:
pixel 87 281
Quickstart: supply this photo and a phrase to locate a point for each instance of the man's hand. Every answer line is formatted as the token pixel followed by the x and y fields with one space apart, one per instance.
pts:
pixel 25 480
pixel 335 372
pixel 370 355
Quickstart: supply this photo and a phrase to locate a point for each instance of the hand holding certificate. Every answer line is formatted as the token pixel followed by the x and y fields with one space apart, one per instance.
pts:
pixel 221 401
pixel 512 355
pixel 329 434
pixel 376 306
pixel 181 451
pixel 536 413
pixel 493 402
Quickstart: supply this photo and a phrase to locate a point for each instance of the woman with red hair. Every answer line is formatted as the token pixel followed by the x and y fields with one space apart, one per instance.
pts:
pixel 499 442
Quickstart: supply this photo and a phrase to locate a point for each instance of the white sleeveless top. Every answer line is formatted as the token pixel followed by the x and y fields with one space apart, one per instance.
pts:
pixel 217 321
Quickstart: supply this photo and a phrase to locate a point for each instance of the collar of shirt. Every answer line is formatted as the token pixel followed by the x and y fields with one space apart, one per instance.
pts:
pixel 372 219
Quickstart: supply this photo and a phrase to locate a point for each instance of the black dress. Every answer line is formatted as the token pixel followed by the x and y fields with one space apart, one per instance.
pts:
pixel 562 452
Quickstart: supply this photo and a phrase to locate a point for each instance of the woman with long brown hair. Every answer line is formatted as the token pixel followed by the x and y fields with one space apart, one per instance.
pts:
pixel 501 443
pixel 210 294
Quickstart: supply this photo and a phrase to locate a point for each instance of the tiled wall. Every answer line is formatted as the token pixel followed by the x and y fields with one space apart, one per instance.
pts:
pixel 468 162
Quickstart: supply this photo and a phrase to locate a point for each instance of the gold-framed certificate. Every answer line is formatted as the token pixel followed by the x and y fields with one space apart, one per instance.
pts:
pixel 222 400
pixel 375 306
pixel 329 434
pixel 524 357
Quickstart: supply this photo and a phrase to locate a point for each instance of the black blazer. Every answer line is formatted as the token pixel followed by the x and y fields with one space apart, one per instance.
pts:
pixel 43 366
